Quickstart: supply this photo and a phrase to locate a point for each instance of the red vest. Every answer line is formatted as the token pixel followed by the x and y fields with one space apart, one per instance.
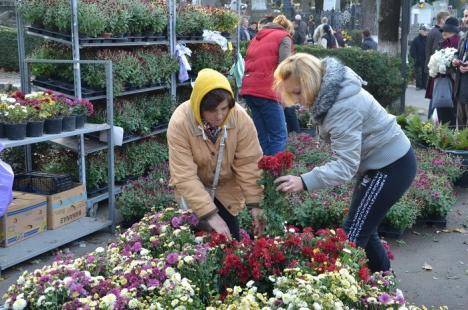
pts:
pixel 260 63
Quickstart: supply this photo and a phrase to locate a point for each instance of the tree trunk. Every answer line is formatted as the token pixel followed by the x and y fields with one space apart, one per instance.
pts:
pixel 389 22
pixel 305 5
pixel 318 5
pixel 369 16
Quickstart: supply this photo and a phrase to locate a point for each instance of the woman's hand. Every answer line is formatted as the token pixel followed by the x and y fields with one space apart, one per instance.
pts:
pixel 219 225
pixel 456 62
pixel 289 184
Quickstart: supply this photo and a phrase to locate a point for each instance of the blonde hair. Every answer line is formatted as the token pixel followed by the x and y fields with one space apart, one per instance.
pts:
pixel 284 22
pixel 307 69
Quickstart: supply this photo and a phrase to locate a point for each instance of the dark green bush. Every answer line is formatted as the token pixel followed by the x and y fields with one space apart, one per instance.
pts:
pixel 140 196
pixel 380 71
pixel 9 50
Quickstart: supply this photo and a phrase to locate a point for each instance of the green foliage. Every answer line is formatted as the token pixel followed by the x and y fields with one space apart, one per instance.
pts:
pixel 139 114
pixel 380 71
pixel 141 196
pixel 57 71
pixel 9 51
pixel 211 56
pixel 193 20
pixel 158 20
pixel 117 22
pixel 275 208
pixel 92 21
pixel 428 134
pixel 403 214
pixel 225 20
pixel 434 193
pixel 140 18
pixel 131 69
pixel 33 11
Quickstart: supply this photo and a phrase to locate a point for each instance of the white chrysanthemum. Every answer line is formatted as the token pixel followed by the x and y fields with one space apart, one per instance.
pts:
pixel 109 300
pixel 19 304
pixel 99 250
pixel 144 252
pixel 133 303
pixel 40 300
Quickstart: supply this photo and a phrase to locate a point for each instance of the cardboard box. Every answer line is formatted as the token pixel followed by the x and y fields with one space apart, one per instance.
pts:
pixel 66 207
pixel 26 217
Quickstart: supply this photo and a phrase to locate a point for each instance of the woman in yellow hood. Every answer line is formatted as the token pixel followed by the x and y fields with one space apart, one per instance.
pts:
pixel 211 125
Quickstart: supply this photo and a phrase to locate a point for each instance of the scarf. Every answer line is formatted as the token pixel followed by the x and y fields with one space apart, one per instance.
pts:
pixel 211 131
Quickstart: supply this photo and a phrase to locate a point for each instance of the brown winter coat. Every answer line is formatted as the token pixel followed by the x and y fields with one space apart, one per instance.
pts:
pixel 192 162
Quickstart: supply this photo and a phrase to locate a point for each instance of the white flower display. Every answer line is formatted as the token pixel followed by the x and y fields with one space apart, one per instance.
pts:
pixel 440 61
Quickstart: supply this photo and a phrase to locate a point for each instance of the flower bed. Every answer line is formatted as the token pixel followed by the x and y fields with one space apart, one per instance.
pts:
pixel 431 194
pixel 160 263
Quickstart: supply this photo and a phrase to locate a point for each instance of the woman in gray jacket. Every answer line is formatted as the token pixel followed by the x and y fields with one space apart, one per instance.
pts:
pixel 366 141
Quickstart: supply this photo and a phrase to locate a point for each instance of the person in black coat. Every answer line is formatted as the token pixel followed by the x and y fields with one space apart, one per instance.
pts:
pixel 418 53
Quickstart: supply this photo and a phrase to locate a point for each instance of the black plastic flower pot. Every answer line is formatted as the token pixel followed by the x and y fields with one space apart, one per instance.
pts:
pixel 15 131
pixel 53 125
pixel 2 131
pixel 69 123
pixel 80 121
pixel 35 128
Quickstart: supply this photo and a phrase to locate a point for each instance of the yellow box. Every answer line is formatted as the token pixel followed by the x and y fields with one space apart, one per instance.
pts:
pixel 26 217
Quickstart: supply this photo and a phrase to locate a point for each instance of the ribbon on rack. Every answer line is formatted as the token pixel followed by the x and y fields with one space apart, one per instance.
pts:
pixel 237 70
pixel 215 37
pixel 182 52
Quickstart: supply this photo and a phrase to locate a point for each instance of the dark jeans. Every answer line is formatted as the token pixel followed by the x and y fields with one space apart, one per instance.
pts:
pixel 231 221
pixel 269 119
pixel 374 194
pixel 292 121
pixel 420 76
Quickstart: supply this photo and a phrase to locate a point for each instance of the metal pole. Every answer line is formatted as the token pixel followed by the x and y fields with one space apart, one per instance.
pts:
pixel 81 160
pixel 110 143
pixel 75 47
pixel 171 33
pixel 21 48
pixel 405 21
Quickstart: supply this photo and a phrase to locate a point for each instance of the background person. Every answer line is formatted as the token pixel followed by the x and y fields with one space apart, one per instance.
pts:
pixel 328 40
pixel 367 42
pixel 194 137
pixel 418 53
pixel 318 32
pixel 432 44
pixel 270 46
pixel 366 140
pixel 461 78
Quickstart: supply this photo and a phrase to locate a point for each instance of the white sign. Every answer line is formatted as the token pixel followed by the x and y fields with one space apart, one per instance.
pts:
pixel 331 4
pixel 259 5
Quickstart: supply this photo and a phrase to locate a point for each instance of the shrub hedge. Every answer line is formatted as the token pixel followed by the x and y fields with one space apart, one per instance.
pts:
pixel 380 71
pixel 9 50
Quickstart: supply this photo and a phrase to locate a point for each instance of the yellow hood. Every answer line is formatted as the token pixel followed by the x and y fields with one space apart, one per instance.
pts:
pixel 207 80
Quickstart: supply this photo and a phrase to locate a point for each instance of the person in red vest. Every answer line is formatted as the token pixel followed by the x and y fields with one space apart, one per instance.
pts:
pixel 271 45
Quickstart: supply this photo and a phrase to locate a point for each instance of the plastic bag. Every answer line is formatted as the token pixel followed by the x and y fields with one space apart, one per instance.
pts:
pixel 6 185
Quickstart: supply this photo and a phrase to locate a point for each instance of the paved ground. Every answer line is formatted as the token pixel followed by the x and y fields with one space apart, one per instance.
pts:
pixel 446 251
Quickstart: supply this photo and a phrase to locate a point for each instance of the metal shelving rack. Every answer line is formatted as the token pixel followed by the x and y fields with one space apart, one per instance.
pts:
pixel 52 239
pixel 76 140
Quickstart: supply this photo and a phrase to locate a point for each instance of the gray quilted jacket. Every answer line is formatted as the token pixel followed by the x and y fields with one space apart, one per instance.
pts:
pixel 362 134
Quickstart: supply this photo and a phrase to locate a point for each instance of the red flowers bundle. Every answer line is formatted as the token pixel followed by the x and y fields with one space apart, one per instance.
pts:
pixel 277 164
pixel 274 204
pixel 327 250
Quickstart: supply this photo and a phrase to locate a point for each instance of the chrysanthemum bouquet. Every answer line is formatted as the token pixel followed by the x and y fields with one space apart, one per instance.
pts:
pixel 440 61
